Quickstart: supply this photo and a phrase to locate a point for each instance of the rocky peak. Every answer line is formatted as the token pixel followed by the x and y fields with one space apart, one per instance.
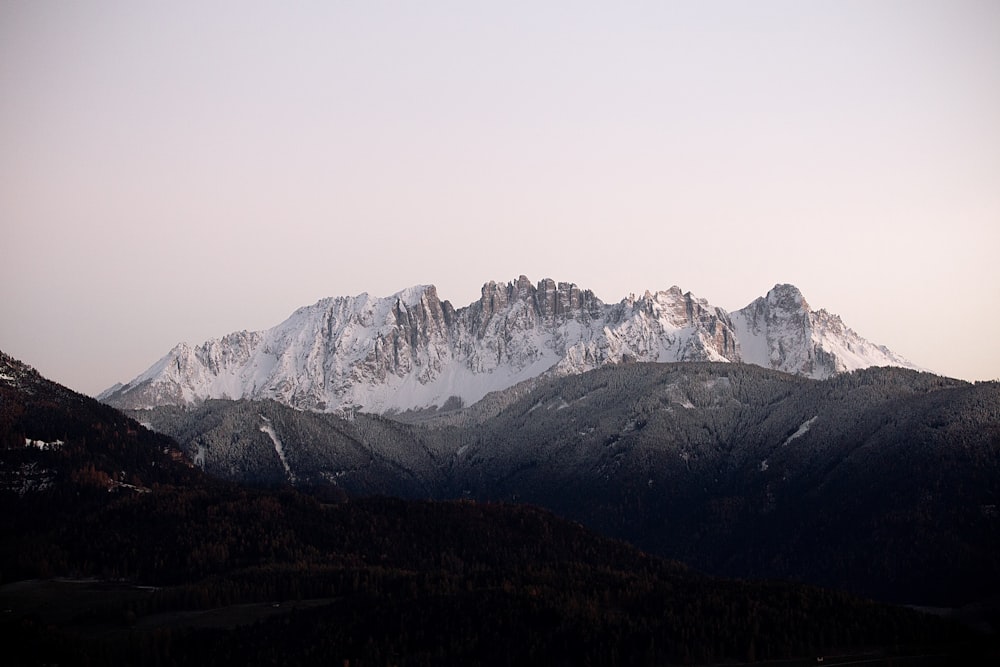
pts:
pixel 564 299
pixel 672 302
pixel 679 308
pixel 524 290
pixel 548 300
pixel 412 350
pixel 495 297
pixel 786 298
pixel 781 331
pixel 424 316
pixel 782 306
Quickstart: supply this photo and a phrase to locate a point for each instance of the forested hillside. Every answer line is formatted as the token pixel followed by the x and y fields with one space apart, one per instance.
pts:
pixel 231 576
pixel 175 568
pixel 883 481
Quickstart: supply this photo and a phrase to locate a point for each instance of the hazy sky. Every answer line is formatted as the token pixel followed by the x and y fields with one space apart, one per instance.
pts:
pixel 173 171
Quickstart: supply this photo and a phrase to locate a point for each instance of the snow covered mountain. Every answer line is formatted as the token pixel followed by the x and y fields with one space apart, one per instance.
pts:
pixel 781 331
pixel 412 351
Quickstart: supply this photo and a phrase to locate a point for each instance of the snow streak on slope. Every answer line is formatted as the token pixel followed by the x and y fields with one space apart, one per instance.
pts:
pixel 279 446
pixel 411 350
pixel 802 430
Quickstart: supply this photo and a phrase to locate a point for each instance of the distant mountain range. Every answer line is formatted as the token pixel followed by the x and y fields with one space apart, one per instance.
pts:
pixel 412 351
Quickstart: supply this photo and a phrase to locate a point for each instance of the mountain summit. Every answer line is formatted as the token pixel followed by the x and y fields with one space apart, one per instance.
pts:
pixel 782 332
pixel 413 351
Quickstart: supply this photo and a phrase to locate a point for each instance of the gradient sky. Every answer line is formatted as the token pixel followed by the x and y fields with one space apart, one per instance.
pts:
pixel 174 171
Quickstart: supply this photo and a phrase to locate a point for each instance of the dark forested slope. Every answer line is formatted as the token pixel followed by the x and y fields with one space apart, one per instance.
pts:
pixel 171 567
pixel 883 481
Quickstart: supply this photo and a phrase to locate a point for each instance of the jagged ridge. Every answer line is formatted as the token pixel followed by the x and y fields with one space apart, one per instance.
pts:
pixel 412 351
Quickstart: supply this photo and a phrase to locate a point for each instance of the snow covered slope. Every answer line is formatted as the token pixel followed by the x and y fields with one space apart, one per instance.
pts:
pixel 411 350
pixel 781 331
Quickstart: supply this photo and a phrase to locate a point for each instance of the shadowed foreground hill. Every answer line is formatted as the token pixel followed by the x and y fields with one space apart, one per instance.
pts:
pixel 182 570
pixel 885 481
pixel 384 581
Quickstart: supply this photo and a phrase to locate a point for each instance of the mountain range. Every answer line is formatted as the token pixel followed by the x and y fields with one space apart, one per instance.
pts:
pixel 413 351
pixel 115 550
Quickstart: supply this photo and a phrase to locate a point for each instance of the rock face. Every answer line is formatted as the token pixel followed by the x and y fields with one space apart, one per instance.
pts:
pixel 782 332
pixel 413 351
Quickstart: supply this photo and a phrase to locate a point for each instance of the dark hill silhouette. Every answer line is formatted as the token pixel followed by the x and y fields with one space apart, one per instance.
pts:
pixel 183 569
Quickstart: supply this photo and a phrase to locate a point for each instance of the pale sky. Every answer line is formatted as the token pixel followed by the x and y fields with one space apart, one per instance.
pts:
pixel 174 171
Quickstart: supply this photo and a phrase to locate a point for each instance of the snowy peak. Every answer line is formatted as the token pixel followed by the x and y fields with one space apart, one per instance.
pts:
pixel 786 298
pixel 547 301
pixel 411 350
pixel 782 332
pixel 671 325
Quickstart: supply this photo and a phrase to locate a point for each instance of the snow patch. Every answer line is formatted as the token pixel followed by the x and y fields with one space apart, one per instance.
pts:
pixel 43 445
pixel 803 429
pixel 279 446
pixel 199 457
